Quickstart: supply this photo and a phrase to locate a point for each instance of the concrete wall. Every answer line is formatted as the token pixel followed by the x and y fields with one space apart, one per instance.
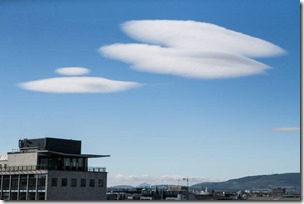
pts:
pixel 22 159
pixel 76 193
pixel 2 163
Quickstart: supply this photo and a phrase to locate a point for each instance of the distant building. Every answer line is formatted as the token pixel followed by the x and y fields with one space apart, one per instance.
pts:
pixel 50 169
pixel 278 191
pixel 178 188
pixel 117 196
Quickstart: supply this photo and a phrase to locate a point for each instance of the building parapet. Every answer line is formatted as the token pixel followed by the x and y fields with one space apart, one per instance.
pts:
pixel 37 167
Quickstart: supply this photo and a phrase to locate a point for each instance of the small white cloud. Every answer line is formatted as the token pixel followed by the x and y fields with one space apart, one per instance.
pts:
pixel 78 85
pixel 286 129
pixel 191 49
pixel 72 71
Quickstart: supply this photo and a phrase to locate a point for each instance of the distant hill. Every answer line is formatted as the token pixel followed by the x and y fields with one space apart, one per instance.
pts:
pixel 143 185
pixel 121 187
pixel 290 181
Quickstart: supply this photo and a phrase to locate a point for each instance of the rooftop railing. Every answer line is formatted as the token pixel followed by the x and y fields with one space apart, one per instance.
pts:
pixel 42 167
pixel 18 168
pixel 97 169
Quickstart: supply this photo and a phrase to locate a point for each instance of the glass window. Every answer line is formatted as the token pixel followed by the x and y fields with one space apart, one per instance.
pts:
pixel 6 181
pixel 32 196
pixel 92 182
pixel 58 164
pixel 80 164
pixel 80 161
pixel 5 196
pixel 100 183
pixel 41 196
pixel 73 182
pixel 41 181
pixel 43 163
pixel 54 181
pixel 14 182
pixel 64 182
pixel 74 162
pixel 23 182
pixel 83 182
pixel 67 163
pixel 32 182
pixel 22 196
pixel 13 195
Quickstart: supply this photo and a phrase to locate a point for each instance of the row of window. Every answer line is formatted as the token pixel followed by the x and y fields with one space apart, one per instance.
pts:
pixel 23 181
pixel 74 181
pixel 22 196
pixel 67 162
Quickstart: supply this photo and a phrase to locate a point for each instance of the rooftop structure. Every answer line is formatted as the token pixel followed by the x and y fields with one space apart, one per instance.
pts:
pixel 51 169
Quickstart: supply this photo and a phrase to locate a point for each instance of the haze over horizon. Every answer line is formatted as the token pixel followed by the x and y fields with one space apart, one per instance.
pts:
pixel 170 89
pixel 168 180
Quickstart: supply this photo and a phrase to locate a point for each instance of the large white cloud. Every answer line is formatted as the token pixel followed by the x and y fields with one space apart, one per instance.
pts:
pixel 191 49
pixel 72 71
pixel 156 59
pixel 78 85
pixel 198 36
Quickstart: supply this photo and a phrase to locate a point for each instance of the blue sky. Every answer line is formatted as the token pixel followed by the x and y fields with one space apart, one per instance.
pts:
pixel 158 124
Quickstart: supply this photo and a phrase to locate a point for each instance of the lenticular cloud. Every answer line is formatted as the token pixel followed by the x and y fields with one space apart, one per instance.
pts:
pixel 72 71
pixel 191 49
pixel 78 85
pixel 199 37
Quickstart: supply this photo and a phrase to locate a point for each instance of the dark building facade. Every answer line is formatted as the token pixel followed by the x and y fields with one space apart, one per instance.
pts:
pixel 51 169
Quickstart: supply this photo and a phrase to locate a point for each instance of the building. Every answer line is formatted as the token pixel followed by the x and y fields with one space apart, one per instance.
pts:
pixel 278 191
pixel 51 169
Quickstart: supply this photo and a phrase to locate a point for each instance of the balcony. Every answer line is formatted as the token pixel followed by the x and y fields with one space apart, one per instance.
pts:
pixel 40 167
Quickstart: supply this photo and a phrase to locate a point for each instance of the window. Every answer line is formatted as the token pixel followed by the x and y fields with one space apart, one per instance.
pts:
pixel 14 182
pixel 41 196
pixel 43 163
pixel 67 163
pixel 54 181
pixel 64 182
pixel 32 182
pixel 32 196
pixel 5 196
pixel 80 162
pixel 83 183
pixel 92 182
pixel 22 196
pixel 6 182
pixel 23 182
pixel 73 182
pixel 13 196
pixel 100 183
pixel 41 181
pixel 74 162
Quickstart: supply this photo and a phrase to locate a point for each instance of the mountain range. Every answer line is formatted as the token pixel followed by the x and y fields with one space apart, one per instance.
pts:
pixel 289 181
